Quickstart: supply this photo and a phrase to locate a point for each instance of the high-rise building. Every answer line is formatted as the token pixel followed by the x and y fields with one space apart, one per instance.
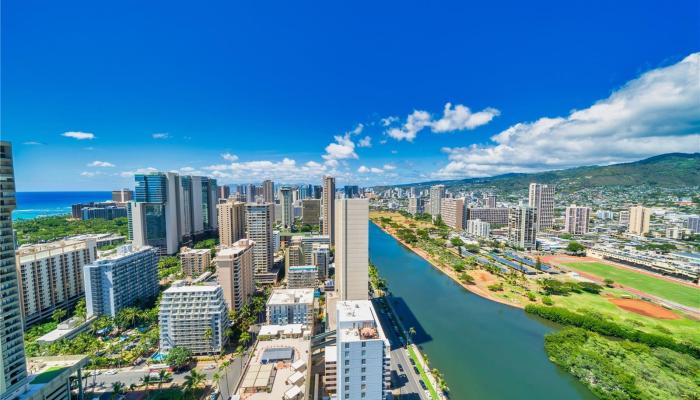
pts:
pixel 231 222
pixel 198 197
pixel 452 213
pixel 317 192
pixel 639 220
pixel 478 228
pixel 693 224
pixel 496 216
pixel 624 218
pixel 416 205
pixel 287 207
pixel 290 306
pixel 352 248
pixel 437 193
pixel 193 317
pixel 224 191
pixel 122 196
pixel 234 270
pixel 490 201
pixel 576 219
pixel 259 230
pixel 268 190
pixel 121 280
pixel 51 276
pixel 351 191
pixel 108 212
pixel 310 212
pixel 541 198
pixel 321 258
pixel 13 367
pixel 302 276
pixel 328 208
pixel 250 193
pixel 293 256
pixel 363 352
pixel 194 262
pixel 522 227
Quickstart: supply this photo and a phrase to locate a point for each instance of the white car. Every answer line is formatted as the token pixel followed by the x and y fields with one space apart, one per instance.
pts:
pixel 210 366
pixel 111 372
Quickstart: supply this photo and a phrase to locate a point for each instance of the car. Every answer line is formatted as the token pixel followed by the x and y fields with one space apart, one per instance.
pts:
pixel 400 367
pixel 427 394
pixel 94 373
pixel 412 362
pixel 422 384
pixel 111 372
pixel 416 370
pixel 210 366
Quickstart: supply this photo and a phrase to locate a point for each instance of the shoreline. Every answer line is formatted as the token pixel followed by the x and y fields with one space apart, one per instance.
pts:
pixel 449 273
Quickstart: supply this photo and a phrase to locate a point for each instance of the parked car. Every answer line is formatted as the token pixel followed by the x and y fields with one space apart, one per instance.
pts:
pixel 400 367
pixel 422 384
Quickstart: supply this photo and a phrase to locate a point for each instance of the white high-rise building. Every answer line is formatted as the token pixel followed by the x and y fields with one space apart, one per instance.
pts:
pixel 639 220
pixel 352 248
pixel 576 219
pixel 231 216
pixel 51 276
pixel 522 227
pixel 693 224
pixel 363 352
pixel 328 208
pixel 287 207
pixel 121 280
pixel 193 317
pixel 416 205
pixel 235 273
pixel 541 198
pixel 291 306
pixel 259 230
pixel 437 193
pixel 478 228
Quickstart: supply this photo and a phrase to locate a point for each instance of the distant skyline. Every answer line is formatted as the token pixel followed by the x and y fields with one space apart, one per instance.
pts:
pixel 370 93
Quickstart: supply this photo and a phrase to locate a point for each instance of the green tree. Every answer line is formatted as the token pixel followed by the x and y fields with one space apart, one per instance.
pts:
pixel 162 377
pixel 412 332
pixel 178 357
pixel 194 381
pixel 81 309
pixel 146 381
pixel 466 278
pixel 609 282
pixel 575 247
pixel 117 389
pixel 59 315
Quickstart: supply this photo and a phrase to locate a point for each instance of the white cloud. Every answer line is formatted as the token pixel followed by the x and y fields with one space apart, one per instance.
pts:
pixel 453 119
pixel 653 114
pixel 79 135
pixel 286 170
pixel 389 120
pixel 389 167
pixel 127 174
pixel 88 174
pixel 365 142
pixel 358 129
pixel 161 135
pixel 32 143
pixel 229 157
pixel 100 164
pixel 342 149
pixel 187 169
pixel 364 170
pixel 460 118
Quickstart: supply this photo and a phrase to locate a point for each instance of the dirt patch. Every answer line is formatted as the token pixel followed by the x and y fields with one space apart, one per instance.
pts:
pixel 644 308
pixel 484 277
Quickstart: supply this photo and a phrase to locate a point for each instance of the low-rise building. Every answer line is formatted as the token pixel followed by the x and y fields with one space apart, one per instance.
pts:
pixel 290 306
pixel 194 261
pixel 51 378
pixel 498 216
pixel 194 317
pixel 302 276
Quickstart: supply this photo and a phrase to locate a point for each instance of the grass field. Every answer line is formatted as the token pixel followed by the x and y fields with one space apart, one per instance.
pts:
pixel 658 287
pixel 684 329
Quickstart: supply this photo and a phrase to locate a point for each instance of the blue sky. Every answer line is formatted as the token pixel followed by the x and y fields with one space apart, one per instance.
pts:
pixel 95 91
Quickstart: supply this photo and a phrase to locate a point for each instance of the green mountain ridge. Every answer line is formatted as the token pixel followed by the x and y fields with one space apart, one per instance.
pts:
pixel 670 170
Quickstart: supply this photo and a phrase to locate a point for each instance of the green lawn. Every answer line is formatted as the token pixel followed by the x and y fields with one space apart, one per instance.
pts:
pixel 655 286
pixel 683 329
pixel 48 375
pixel 423 375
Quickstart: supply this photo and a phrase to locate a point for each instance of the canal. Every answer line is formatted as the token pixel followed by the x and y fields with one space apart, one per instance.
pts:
pixel 485 350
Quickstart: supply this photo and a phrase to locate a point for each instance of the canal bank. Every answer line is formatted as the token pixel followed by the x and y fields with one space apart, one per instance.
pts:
pixel 485 350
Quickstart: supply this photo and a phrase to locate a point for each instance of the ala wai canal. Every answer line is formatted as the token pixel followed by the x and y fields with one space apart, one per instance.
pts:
pixel 485 350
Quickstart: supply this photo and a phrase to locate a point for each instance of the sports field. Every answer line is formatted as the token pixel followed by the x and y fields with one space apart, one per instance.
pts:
pixel 655 286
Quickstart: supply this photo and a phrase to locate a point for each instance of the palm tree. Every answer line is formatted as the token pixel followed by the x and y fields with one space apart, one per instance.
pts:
pixel 162 376
pixel 412 332
pixel 193 381
pixel 59 315
pixel 244 338
pixel 208 333
pixel 146 380
pixel 117 389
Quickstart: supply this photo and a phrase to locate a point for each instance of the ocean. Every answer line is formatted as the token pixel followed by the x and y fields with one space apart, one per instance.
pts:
pixel 42 204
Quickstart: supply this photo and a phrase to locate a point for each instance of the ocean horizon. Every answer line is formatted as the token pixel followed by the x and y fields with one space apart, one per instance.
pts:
pixel 32 205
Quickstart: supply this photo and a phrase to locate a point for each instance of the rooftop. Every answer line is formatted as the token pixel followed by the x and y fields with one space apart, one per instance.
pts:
pixel 292 296
pixel 44 370
pixel 181 288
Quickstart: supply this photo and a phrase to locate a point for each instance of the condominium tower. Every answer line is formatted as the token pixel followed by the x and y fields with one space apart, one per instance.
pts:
pixel 231 221
pixel 194 262
pixel 541 198
pixel 351 248
pixel 328 207
pixel 51 276
pixel 576 219
pixel 290 306
pixel 522 227
pixel 639 218
pixel 259 229
pixel 437 193
pixel 234 270
pixel 121 280
pixel 452 212
pixel 310 212
pixel 287 207
pixel 193 317
pixel 13 367
pixel 268 191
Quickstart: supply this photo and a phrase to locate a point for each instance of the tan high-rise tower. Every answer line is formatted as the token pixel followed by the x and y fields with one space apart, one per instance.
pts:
pixel 234 266
pixel 231 218
pixel 541 198
pixel 352 248
pixel 328 207
pixel 639 220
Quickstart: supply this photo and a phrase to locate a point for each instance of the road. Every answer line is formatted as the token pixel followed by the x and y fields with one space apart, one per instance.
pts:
pixel 409 387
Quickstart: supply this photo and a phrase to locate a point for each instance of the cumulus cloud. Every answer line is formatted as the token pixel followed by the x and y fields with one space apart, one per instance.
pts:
pixel 100 164
pixel 389 167
pixel 88 174
pixel 285 170
pixel 161 135
pixel 358 129
pixel 389 120
pixel 128 174
pixel 79 135
pixel 364 170
pixel 653 114
pixel 229 157
pixel 365 142
pixel 343 148
pixel 457 118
